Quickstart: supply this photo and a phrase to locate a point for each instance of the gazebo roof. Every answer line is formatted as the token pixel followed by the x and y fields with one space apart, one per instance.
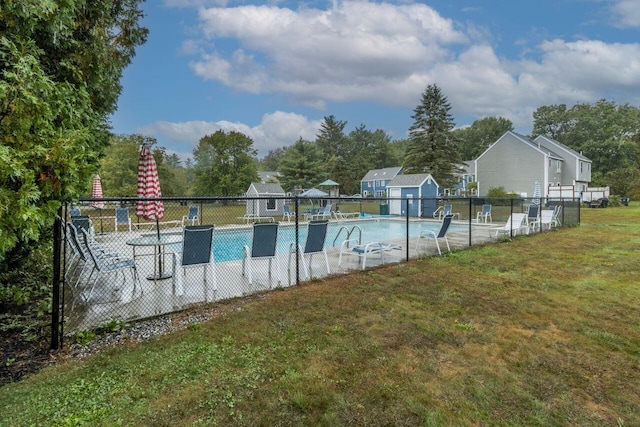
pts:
pixel 328 183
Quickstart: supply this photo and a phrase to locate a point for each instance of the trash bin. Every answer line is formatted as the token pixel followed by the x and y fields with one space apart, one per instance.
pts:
pixel 624 201
pixel 384 209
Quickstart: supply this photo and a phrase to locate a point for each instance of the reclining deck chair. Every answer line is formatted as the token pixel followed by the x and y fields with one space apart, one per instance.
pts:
pixel 427 235
pixel 316 236
pixel 197 251
pixel 263 246
pixel 324 213
pixel 192 216
pixel 352 247
pixel 515 223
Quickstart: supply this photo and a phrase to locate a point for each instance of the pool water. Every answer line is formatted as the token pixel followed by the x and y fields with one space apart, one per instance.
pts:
pixel 227 244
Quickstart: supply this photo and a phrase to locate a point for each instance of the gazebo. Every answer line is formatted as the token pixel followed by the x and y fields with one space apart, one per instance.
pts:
pixel 331 187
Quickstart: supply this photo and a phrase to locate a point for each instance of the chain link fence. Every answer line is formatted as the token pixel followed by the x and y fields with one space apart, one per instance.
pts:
pixel 114 266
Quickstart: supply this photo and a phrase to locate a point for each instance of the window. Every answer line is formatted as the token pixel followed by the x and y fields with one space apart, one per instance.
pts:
pixel 581 165
pixel 381 193
pixel 271 204
pixel 377 184
pixel 559 167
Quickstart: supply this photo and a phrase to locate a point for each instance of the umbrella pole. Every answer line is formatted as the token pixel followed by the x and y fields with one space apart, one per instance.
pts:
pixel 160 270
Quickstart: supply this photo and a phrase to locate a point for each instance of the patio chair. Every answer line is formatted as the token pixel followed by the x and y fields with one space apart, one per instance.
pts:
pixel 83 222
pixel 191 216
pixel 122 218
pixel 544 221
pixel 102 265
pixel 557 214
pixel 197 251
pixel 517 222
pixel 485 214
pixel 316 236
pixel 447 211
pixel 533 212
pixel 323 213
pixel 427 235
pixel 351 247
pixel 263 247
pixel 286 213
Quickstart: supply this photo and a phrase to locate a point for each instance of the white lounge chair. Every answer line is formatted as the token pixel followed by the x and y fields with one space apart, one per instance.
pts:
pixel 516 223
pixel 352 247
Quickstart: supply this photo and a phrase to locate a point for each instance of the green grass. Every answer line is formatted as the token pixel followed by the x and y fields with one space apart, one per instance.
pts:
pixel 540 330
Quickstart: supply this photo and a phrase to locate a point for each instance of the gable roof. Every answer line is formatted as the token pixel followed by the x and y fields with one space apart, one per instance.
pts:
pixel 410 180
pixel 267 188
pixel 562 147
pixel 525 140
pixel 386 173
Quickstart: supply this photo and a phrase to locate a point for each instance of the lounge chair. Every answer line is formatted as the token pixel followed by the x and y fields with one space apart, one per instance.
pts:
pixel 544 221
pixel 263 247
pixel 557 214
pixel 83 222
pixel 122 218
pixel 102 265
pixel 351 247
pixel 197 251
pixel 323 213
pixel 316 236
pixel 192 216
pixel 516 223
pixel 427 235
pixel 485 214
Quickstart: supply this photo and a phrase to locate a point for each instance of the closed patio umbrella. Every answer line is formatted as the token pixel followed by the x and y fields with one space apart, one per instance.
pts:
pixel 537 193
pixel 96 193
pixel 149 188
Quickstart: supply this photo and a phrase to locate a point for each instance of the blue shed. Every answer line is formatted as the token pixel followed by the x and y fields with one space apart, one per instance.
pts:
pixel 420 189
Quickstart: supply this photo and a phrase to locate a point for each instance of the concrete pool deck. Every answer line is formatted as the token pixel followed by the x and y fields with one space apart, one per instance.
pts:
pixel 153 298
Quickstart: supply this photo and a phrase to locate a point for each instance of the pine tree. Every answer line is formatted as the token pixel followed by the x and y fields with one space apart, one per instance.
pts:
pixel 432 146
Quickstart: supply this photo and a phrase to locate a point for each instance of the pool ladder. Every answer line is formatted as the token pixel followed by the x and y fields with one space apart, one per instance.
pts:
pixel 349 232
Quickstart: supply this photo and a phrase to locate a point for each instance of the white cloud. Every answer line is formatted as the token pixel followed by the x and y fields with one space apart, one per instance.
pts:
pixel 359 51
pixel 276 130
pixel 626 13
pixel 341 54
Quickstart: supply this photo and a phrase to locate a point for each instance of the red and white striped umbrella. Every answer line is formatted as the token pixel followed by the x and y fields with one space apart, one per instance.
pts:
pixel 148 187
pixel 96 192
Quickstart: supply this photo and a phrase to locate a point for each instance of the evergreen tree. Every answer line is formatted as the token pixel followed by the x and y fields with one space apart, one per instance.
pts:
pixel 302 166
pixel 432 146
pixel 60 69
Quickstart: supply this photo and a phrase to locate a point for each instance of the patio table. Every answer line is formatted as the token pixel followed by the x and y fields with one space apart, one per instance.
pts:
pixel 159 244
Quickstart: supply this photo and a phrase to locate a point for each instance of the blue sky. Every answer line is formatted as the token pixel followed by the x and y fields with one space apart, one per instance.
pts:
pixel 274 70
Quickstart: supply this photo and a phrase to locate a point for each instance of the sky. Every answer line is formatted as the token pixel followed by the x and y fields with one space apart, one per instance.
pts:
pixel 274 70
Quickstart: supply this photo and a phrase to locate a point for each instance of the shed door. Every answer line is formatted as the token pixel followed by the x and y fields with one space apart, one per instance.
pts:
pixel 395 205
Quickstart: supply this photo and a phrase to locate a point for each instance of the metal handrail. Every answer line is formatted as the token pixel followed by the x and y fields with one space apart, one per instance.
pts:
pixel 353 228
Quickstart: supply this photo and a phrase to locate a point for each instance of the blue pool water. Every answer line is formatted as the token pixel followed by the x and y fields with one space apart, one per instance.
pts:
pixel 227 244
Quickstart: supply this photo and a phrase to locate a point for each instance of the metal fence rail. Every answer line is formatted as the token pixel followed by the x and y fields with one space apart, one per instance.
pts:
pixel 112 265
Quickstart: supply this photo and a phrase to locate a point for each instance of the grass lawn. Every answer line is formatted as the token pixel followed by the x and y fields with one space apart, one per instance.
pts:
pixel 541 330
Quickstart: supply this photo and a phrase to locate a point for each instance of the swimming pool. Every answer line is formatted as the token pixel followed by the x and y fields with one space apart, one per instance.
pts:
pixel 227 244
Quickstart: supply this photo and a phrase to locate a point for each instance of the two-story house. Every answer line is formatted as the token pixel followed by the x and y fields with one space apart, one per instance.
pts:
pixel 375 182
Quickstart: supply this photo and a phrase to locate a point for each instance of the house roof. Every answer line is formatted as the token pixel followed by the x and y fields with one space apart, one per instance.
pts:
pixel 267 188
pixel 410 180
pixel 535 145
pixel 386 173
pixel 328 183
pixel 526 140
pixel 563 147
